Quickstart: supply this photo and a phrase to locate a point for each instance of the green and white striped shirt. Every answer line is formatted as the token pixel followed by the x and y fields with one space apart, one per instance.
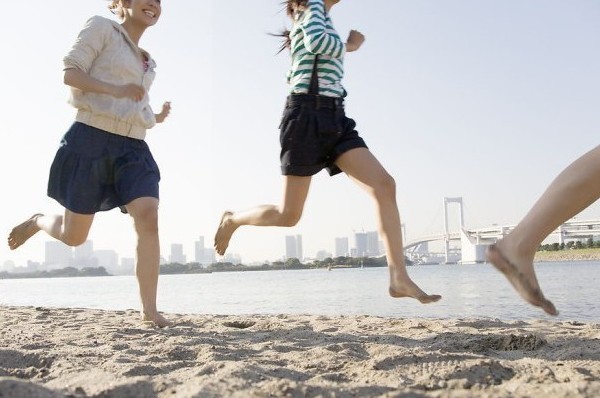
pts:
pixel 313 33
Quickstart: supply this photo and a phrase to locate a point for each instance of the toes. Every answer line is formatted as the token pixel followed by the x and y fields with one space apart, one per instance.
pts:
pixel 549 308
pixel 22 232
pixel 429 298
pixel 422 297
pixel 434 297
pixel 222 236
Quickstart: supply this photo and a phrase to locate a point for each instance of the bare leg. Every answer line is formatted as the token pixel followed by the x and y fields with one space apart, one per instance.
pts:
pixel 574 189
pixel 286 215
pixel 361 166
pixel 73 231
pixel 145 218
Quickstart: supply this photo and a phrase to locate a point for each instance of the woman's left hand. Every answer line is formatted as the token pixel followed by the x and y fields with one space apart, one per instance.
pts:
pixel 166 109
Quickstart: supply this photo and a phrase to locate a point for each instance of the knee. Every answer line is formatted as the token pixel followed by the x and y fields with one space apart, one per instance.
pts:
pixel 385 187
pixel 290 218
pixel 73 241
pixel 146 220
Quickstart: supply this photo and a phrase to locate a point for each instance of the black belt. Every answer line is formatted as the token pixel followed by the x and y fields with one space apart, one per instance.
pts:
pixel 316 101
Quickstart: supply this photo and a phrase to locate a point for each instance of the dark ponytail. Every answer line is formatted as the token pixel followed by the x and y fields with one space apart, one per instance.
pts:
pixel 286 42
pixel 291 7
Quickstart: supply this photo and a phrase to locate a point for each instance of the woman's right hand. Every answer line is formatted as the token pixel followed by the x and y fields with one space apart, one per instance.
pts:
pixel 355 40
pixel 83 81
pixel 131 91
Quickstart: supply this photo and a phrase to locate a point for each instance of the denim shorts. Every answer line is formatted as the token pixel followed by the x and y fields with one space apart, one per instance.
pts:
pixel 314 132
pixel 95 170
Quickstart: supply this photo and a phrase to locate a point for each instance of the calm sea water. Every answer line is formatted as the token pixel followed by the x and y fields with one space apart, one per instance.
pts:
pixel 467 290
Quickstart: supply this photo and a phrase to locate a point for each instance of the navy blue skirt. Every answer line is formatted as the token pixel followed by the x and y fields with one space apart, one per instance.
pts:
pixel 94 170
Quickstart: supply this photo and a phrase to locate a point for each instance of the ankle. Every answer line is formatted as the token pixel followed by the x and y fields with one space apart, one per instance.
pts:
pixel 519 248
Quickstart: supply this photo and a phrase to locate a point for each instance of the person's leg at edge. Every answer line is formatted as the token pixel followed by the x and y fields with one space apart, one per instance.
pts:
pixel 286 215
pixel 144 212
pixel 362 167
pixel 72 229
pixel 574 189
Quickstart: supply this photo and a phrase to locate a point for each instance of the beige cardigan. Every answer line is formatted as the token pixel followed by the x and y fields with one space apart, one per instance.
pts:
pixel 104 50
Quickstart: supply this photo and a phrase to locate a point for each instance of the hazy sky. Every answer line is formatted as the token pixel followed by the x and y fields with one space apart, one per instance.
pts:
pixel 484 99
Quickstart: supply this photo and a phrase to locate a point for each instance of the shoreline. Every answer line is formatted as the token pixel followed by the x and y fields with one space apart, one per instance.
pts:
pixel 66 352
pixel 568 255
pixel 565 255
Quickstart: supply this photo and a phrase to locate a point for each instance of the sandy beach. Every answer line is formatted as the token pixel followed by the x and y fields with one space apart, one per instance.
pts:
pixel 48 352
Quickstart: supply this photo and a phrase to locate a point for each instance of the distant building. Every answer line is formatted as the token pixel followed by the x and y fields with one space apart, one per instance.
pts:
pixel 57 255
pixel 84 250
pixel 232 258
pixel 342 247
pixel 127 267
pixel 83 255
pixel 32 266
pixel 360 244
pixel 108 259
pixel 203 255
pixel 323 254
pixel 366 244
pixel 373 244
pixel 177 255
pixel 293 247
pixel 8 266
pixel 128 262
pixel 199 250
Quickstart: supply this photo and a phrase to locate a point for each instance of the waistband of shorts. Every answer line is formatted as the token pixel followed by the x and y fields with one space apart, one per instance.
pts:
pixel 111 125
pixel 315 101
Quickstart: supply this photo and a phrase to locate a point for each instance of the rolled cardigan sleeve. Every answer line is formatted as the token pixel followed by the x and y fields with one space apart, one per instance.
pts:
pixel 88 45
pixel 317 39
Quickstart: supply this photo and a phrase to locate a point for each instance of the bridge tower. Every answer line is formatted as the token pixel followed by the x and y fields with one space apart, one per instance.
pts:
pixel 447 201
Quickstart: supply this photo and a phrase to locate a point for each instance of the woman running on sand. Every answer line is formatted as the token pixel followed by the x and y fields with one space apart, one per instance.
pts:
pixel 103 161
pixel 316 134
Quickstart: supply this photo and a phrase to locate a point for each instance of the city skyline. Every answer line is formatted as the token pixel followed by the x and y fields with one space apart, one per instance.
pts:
pixel 59 255
pixel 366 244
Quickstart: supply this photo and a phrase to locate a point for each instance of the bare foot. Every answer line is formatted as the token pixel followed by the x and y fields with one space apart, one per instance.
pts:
pixel 224 232
pixel 157 319
pixel 22 232
pixel 412 290
pixel 522 278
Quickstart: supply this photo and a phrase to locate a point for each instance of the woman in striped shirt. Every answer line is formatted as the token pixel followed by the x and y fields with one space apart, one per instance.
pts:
pixel 315 134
